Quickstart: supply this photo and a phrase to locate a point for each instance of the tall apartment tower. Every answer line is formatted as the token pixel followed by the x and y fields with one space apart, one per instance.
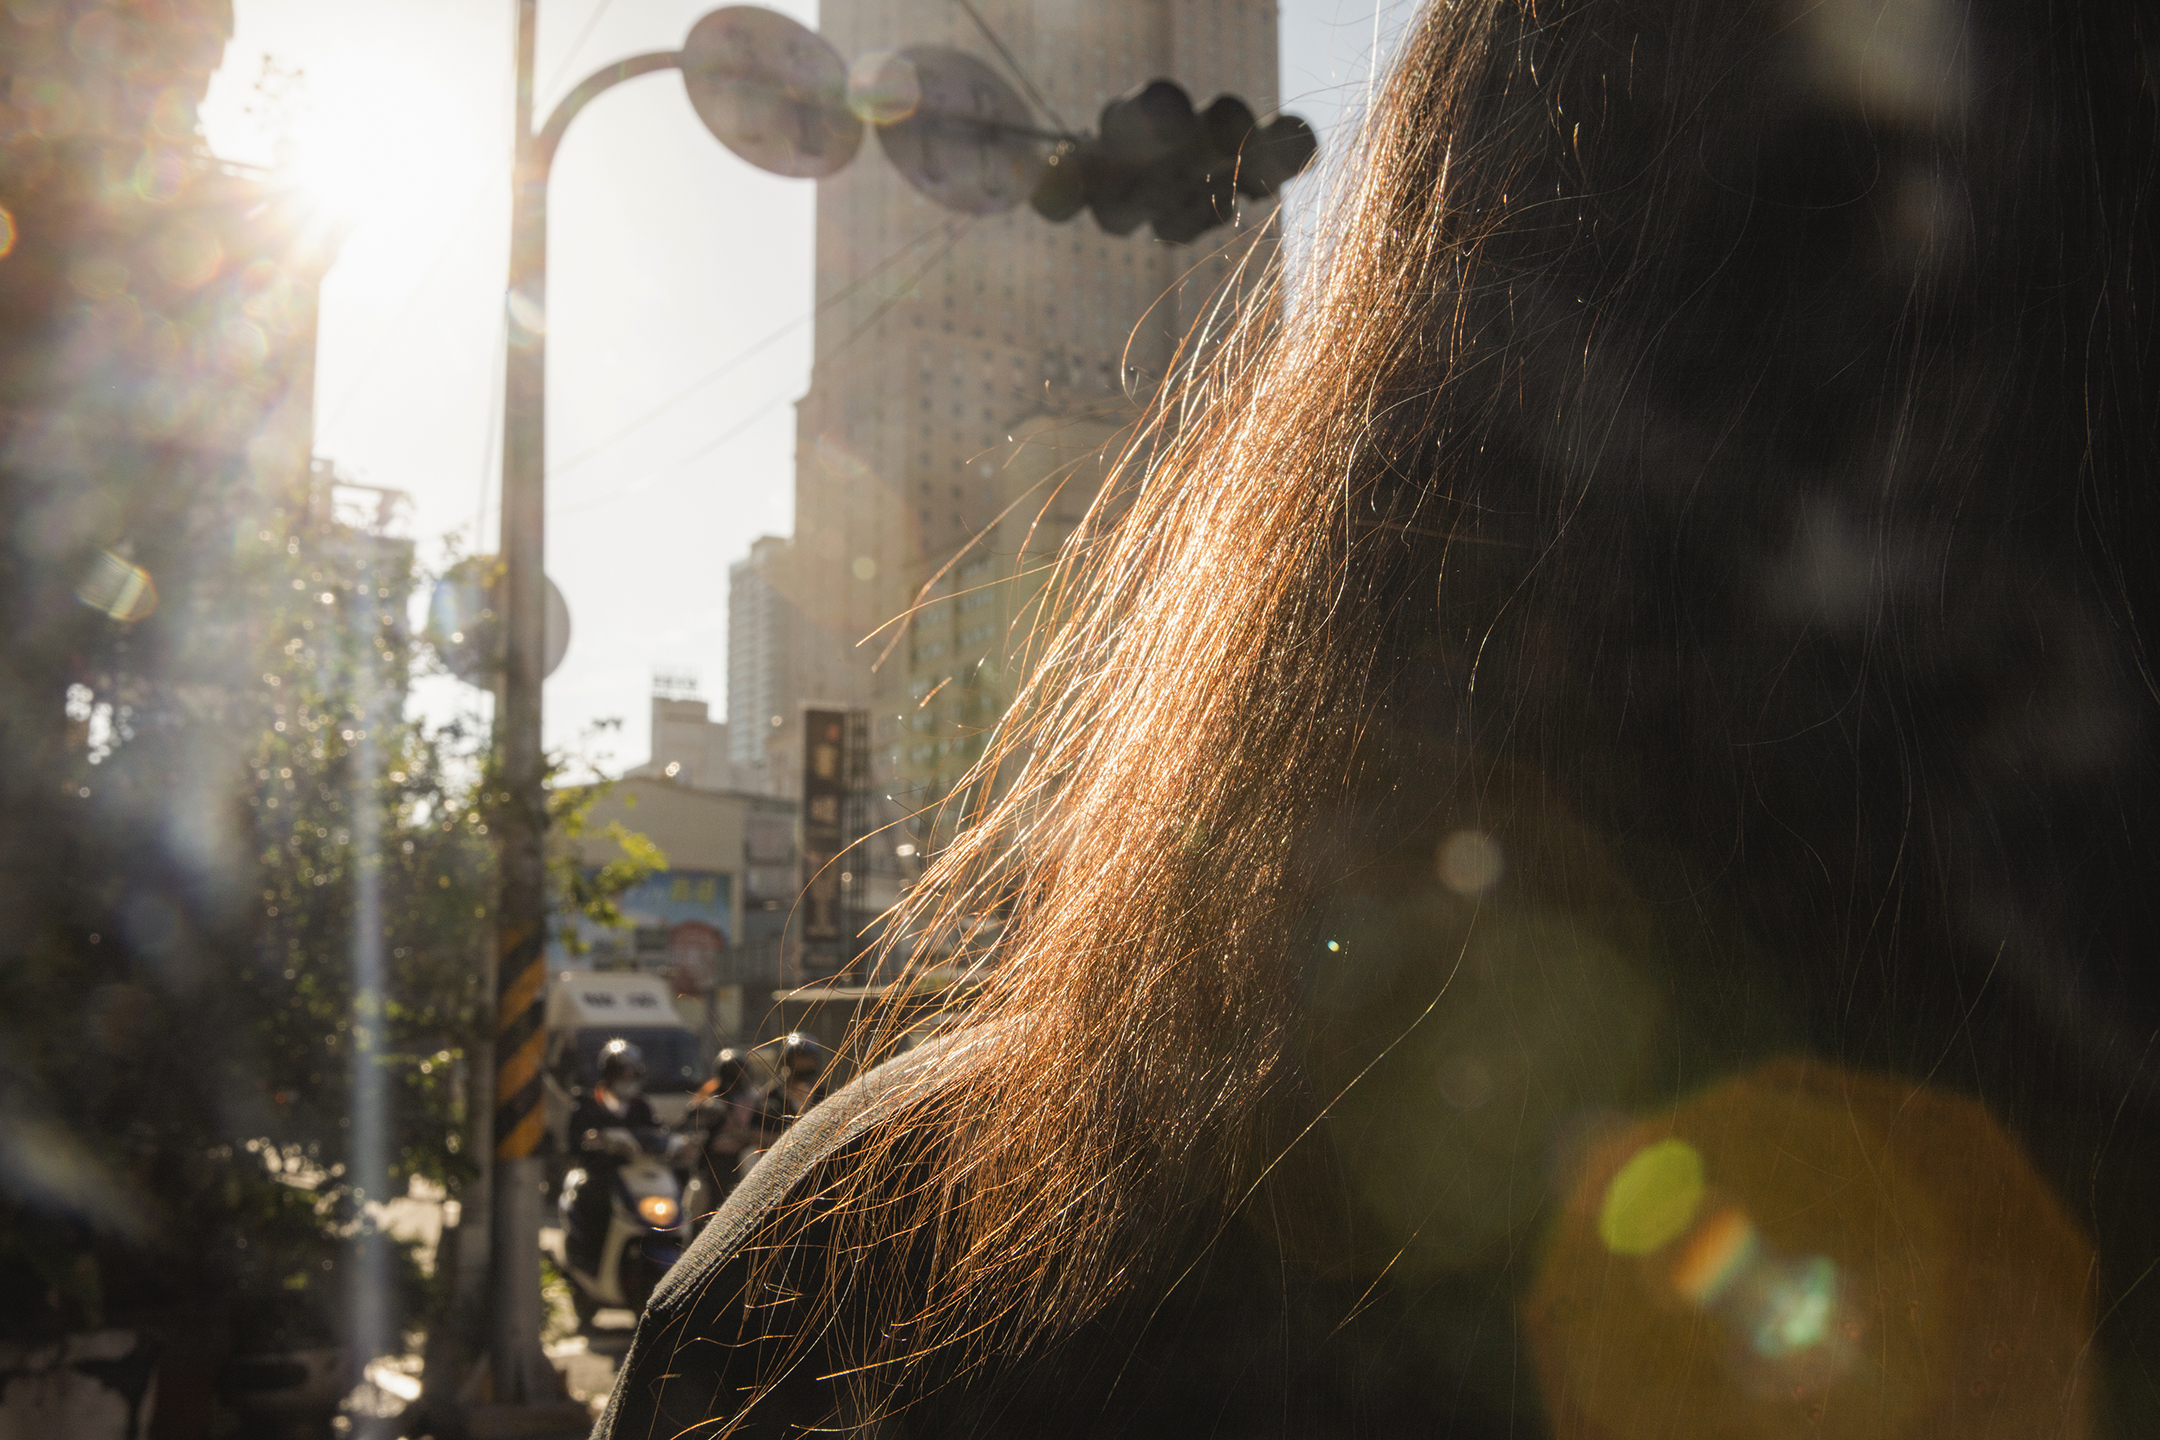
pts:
pixel 946 344
pixel 763 691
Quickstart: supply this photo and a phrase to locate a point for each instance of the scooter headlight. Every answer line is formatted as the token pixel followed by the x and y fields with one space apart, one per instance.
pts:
pixel 658 1211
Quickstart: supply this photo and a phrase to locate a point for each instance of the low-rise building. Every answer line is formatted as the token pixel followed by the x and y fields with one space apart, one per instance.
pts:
pixel 714 920
pixel 688 745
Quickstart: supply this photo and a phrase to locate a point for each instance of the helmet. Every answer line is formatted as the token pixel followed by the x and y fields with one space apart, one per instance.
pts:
pixel 732 1069
pixel 622 1067
pixel 801 1055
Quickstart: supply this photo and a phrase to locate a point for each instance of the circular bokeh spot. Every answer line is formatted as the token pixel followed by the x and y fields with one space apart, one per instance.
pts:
pixel 882 88
pixel 1470 862
pixel 1653 1199
pixel 1809 1250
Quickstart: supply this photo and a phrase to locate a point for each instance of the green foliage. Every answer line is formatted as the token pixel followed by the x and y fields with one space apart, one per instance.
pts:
pixel 333 763
pixel 586 890
pixel 197 1150
pixel 331 741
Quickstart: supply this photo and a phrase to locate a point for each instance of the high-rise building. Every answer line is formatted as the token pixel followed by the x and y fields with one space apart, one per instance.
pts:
pixel 763 692
pixel 963 364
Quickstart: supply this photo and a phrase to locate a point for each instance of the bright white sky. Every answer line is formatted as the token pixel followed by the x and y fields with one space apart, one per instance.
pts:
pixel 670 258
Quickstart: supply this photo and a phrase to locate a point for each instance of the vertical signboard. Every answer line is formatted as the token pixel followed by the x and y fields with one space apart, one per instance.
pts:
pixel 824 836
pixel 769 881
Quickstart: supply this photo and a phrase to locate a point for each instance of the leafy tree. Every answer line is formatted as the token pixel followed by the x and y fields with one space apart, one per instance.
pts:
pixel 332 948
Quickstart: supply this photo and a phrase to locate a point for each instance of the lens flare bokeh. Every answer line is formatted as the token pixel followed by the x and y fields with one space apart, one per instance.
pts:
pixel 1806 1249
pixel 119 587
pixel 882 88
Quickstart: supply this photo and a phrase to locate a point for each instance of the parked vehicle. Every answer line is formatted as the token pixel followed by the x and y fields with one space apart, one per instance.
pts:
pixel 588 1008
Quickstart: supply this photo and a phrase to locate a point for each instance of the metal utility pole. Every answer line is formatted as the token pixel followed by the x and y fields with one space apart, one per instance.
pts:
pixel 515 1362
pixel 518 1368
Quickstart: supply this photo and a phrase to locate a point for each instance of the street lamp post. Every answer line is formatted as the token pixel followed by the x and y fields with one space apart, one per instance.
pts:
pixel 781 99
pixel 520 980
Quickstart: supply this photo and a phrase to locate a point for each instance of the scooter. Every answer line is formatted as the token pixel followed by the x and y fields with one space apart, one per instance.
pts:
pixel 644 1214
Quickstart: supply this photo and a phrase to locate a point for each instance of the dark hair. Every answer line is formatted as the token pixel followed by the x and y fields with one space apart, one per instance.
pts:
pixel 1712 451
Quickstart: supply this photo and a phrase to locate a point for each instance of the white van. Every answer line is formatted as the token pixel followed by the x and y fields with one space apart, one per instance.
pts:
pixel 588 1008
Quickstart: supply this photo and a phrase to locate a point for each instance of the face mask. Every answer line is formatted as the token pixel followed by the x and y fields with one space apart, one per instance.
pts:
pixel 627 1089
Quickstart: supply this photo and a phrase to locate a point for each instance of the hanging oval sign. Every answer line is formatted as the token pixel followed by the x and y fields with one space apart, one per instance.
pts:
pixel 969 142
pixel 771 91
pixel 555 630
pixel 465 623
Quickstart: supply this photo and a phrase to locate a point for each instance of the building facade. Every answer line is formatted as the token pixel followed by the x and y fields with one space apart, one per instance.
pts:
pixel 711 922
pixel 688 745
pixel 764 693
pixel 973 375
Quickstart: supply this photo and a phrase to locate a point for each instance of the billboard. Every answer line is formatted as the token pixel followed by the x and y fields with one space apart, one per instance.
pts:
pixel 824 827
pixel 681 922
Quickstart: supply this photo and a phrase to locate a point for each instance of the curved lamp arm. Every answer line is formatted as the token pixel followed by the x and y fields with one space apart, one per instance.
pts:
pixel 605 78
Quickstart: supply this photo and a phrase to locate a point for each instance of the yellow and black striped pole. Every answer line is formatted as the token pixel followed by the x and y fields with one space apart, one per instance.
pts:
pixel 521 988
pixel 517 1365
pixel 519 1368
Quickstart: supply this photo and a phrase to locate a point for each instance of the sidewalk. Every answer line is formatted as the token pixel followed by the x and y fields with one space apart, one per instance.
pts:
pixel 586 1361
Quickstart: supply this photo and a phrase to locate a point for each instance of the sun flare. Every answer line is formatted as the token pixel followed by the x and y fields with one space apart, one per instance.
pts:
pixel 385 140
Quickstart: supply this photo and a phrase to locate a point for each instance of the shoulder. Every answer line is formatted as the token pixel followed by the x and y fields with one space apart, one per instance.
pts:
pixel 706 1344
pixel 823 1136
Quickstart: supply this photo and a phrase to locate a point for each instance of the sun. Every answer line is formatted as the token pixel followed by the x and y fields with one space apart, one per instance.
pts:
pixel 387 140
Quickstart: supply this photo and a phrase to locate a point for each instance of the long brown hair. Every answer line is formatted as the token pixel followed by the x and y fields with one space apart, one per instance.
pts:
pixel 1470 482
pixel 1181 727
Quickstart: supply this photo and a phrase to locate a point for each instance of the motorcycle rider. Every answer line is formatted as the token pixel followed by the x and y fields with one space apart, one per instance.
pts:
pixel 800 1084
pixel 723 1113
pixel 617 1102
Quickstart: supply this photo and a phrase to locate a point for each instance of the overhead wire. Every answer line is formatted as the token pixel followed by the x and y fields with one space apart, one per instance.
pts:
pixel 651 477
pixel 592 23
pixel 746 353
pixel 954 231
pixel 1013 64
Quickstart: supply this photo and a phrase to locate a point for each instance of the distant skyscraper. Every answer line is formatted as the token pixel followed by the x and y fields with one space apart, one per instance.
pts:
pixel 944 341
pixel 764 692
